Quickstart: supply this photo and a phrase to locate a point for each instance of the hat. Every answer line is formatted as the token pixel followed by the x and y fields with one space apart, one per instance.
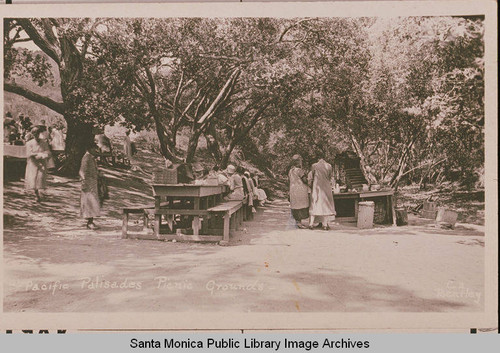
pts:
pixel 231 169
pixel 197 167
pixel 35 131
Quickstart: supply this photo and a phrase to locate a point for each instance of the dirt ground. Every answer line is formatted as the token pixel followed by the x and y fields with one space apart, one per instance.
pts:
pixel 53 264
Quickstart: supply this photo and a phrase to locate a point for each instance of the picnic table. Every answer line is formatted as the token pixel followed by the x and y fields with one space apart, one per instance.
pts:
pixel 186 200
pixel 347 204
pixel 14 162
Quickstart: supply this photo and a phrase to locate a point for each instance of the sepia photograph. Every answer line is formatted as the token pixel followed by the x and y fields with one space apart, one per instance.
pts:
pixel 245 164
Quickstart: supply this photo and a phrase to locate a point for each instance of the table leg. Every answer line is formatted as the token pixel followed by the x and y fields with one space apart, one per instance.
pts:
pixel 393 210
pixel 125 226
pixel 157 223
pixel 227 218
pixel 196 219
pixel 170 220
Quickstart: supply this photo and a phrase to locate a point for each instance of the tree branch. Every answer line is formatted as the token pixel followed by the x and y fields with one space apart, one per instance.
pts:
pixel 220 97
pixel 47 47
pixel 58 107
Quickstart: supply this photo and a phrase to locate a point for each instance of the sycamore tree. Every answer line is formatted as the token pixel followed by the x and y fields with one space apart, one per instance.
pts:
pixel 210 78
pixel 426 87
pixel 166 76
pixel 65 45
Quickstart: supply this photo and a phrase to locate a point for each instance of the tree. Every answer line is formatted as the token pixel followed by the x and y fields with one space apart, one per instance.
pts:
pixel 64 42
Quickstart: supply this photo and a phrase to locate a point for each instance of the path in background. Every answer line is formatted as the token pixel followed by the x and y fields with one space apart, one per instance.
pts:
pixel 270 266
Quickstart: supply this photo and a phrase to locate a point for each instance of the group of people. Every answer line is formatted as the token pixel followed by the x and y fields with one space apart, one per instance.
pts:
pixel 311 195
pixel 241 183
pixel 19 132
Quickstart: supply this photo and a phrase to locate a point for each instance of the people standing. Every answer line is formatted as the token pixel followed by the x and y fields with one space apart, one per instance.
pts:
pixel 26 125
pixel 57 140
pixel 235 184
pixel 37 157
pixel 129 149
pixel 127 145
pixel 322 206
pixel 299 197
pixel 90 206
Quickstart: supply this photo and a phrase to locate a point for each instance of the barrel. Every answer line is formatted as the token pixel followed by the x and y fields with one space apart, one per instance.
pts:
pixel 401 216
pixel 446 217
pixel 429 210
pixel 365 214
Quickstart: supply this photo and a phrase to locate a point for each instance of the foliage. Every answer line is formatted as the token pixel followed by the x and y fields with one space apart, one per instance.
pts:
pixel 406 94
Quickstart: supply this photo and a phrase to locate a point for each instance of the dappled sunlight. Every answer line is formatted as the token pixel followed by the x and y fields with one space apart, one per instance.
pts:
pixel 53 263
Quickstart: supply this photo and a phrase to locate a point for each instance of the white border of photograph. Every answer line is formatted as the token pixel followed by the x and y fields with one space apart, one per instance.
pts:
pixel 295 321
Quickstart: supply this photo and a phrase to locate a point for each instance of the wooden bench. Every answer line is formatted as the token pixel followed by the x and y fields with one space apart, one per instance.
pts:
pixel 135 210
pixel 229 210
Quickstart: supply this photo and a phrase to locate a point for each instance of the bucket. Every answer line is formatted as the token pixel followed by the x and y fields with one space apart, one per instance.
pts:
pixel 366 211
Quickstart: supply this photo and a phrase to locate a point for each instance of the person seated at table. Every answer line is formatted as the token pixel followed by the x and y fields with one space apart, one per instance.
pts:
pixel 235 184
pixel 216 173
pixel 260 194
pixel 200 174
pixel 247 186
pixel 251 184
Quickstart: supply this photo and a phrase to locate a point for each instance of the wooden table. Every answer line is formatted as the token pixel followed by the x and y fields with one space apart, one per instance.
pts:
pixel 14 151
pixel 194 200
pixel 14 162
pixel 356 197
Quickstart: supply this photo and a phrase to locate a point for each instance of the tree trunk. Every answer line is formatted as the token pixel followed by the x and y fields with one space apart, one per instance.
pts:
pixel 77 137
pixel 192 145
pixel 227 154
pixel 167 143
pixel 213 143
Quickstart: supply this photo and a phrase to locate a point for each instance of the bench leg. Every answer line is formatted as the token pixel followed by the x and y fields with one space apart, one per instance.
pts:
pixel 125 226
pixel 225 238
pixel 145 220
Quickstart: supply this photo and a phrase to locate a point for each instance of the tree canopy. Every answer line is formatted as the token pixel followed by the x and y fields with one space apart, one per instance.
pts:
pixel 405 94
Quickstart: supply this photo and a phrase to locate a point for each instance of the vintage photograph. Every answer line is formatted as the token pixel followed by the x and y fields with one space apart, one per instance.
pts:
pixel 244 164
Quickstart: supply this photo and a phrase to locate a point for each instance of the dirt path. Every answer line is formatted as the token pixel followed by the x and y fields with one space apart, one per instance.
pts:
pixel 52 264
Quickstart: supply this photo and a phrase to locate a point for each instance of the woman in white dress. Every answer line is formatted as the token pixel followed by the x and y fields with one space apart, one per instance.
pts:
pixel 89 200
pixel 322 206
pixel 37 157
